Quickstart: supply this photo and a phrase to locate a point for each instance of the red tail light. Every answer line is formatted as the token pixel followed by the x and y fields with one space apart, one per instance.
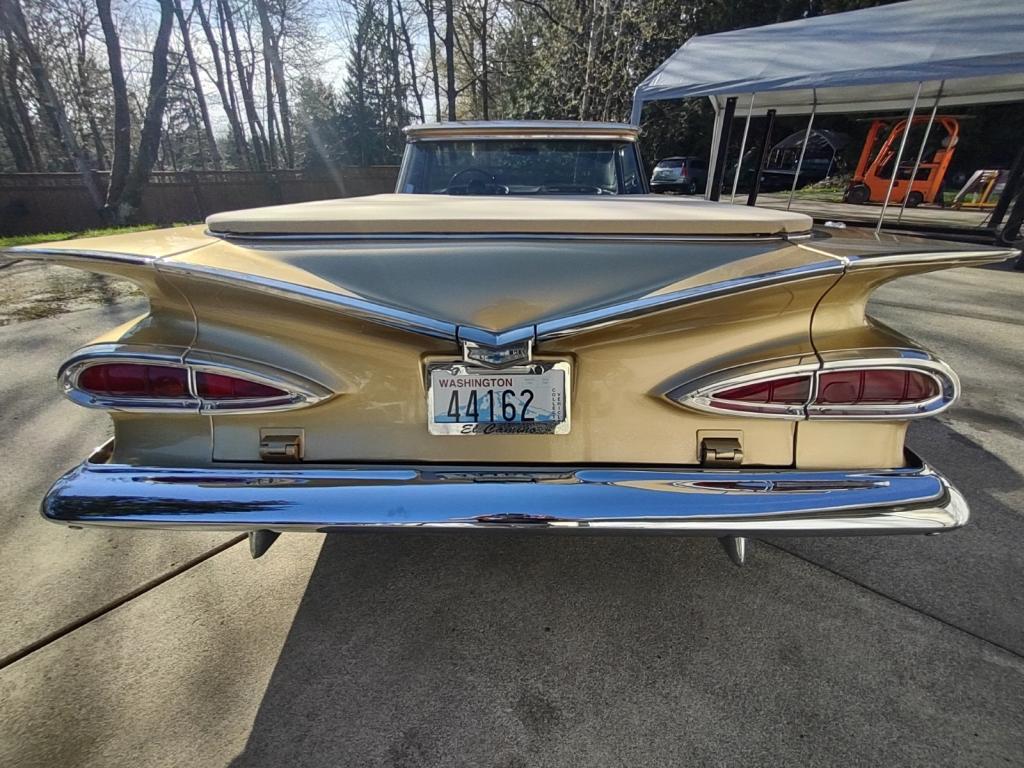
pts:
pixel 134 380
pixel 129 378
pixel 904 384
pixel 215 386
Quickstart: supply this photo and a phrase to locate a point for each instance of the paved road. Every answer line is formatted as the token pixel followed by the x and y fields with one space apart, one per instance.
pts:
pixel 384 650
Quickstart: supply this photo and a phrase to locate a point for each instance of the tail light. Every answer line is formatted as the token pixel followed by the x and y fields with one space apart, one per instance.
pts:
pixel 861 384
pixel 132 378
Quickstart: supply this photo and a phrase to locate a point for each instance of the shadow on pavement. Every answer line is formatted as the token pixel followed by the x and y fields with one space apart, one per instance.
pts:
pixel 970 578
pixel 481 650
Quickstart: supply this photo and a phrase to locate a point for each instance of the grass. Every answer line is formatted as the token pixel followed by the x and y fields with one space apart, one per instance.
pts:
pixel 49 237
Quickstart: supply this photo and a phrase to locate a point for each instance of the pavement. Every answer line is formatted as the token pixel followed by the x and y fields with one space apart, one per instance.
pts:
pixel 924 216
pixel 137 648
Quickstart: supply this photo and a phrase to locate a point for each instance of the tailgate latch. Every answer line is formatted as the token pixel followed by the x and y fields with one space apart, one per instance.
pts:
pixel 281 445
pixel 720 452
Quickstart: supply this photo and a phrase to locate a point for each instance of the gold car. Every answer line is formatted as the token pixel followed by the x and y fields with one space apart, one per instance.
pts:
pixel 490 358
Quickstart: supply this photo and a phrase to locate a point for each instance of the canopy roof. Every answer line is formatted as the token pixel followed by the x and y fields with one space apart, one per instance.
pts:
pixel 866 60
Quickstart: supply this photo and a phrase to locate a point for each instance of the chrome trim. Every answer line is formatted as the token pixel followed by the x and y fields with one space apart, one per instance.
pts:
pixel 697 393
pixel 39 254
pixel 504 356
pixel 952 258
pixel 551 329
pixel 680 501
pixel 361 308
pixel 617 313
pixel 893 358
pixel 315 237
pixel 302 392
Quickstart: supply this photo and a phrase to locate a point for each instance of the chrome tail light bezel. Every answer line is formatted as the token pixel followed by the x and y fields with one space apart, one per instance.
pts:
pixel 698 394
pixel 300 392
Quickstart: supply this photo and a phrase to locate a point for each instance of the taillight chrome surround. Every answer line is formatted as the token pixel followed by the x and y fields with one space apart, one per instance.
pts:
pixel 700 394
pixel 298 391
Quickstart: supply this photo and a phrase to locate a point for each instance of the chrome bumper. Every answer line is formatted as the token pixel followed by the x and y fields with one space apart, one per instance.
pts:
pixel 914 499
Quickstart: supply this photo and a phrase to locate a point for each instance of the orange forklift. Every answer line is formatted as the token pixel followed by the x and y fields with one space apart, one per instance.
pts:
pixel 874 169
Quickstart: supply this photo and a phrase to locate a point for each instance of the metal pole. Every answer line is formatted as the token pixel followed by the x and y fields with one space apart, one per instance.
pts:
pixel 716 130
pixel 762 156
pixel 920 152
pixel 743 146
pixel 722 149
pixel 899 157
pixel 803 149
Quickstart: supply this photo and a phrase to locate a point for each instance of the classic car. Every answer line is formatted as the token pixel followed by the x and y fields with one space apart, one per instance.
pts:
pixel 582 363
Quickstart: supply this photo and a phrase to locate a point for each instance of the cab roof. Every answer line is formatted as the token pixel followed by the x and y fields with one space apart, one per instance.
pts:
pixel 522 129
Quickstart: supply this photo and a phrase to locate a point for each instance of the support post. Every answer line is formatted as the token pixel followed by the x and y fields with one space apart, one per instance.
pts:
pixel 899 157
pixel 722 149
pixel 1013 180
pixel 762 156
pixel 715 135
pixel 920 151
pixel 743 146
pixel 803 150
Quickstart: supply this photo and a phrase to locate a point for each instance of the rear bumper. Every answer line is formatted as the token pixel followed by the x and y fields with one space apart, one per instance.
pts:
pixel 914 499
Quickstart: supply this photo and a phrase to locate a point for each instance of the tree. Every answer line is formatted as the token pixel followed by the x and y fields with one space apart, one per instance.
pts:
pixel 13 18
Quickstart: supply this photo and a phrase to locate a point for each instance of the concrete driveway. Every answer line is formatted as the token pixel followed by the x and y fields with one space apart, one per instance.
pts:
pixel 153 649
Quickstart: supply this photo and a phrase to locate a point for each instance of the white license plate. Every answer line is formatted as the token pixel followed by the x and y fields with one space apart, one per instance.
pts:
pixel 525 400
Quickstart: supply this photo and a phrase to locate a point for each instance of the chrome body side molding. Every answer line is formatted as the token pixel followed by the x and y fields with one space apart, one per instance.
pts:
pixel 551 329
pixel 680 501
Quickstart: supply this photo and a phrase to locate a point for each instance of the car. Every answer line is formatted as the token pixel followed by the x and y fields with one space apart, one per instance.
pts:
pixel 688 175
pixel 527 157
pixel 587 363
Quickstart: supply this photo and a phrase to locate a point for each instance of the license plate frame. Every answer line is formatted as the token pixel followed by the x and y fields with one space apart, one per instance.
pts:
pixel 538 368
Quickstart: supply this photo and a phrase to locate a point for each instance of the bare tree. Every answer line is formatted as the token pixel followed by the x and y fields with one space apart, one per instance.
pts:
pixel 193 68
pixel 272 54
pixel 427 6
pixel 13 18
pixel 152 124
pixel 449 56
pixel 412 60
pixel 9 123
pixel 245 85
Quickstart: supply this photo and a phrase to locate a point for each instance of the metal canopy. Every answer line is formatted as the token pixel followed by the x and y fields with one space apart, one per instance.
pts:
pixel 868 60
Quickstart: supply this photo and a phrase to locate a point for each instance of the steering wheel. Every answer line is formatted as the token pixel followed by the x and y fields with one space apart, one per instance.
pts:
pixel 489 186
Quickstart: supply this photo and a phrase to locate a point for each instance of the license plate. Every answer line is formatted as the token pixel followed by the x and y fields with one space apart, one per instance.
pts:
pixel 525 400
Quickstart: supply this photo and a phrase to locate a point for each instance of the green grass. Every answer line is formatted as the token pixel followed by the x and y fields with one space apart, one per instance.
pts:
pixel 49 237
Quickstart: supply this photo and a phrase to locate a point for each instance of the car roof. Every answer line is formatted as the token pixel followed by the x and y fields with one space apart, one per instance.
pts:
pixel 522 128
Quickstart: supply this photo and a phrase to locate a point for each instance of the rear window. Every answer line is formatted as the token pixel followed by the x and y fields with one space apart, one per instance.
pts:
pixel 677 162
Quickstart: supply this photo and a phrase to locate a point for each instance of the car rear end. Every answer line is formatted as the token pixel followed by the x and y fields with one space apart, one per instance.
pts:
pixel 677 174
pixel 724 384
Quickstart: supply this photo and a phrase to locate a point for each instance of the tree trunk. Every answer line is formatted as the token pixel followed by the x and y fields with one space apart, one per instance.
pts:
pixel 13 17
pixel 121 160
pixel 484 90
pixel 401 116
pixel 412 61
pixel 272 53
pixel 449 55
pixel 152 124
pixel 197 83
pixel 28 132
pixel 428 10
pixel 12 132
pixel 244 83
pixel 223 82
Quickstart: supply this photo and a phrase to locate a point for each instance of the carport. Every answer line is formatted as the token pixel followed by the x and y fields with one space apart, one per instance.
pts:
pixel 918 54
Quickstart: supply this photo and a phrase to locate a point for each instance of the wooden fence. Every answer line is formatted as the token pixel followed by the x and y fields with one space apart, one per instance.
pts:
pixel 32 203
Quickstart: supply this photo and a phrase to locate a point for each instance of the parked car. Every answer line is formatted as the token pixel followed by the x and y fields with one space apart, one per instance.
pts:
pixel 547 361
pixel 688 175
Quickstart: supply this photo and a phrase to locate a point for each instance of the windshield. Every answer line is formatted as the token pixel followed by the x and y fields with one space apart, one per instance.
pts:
pixel 521 167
